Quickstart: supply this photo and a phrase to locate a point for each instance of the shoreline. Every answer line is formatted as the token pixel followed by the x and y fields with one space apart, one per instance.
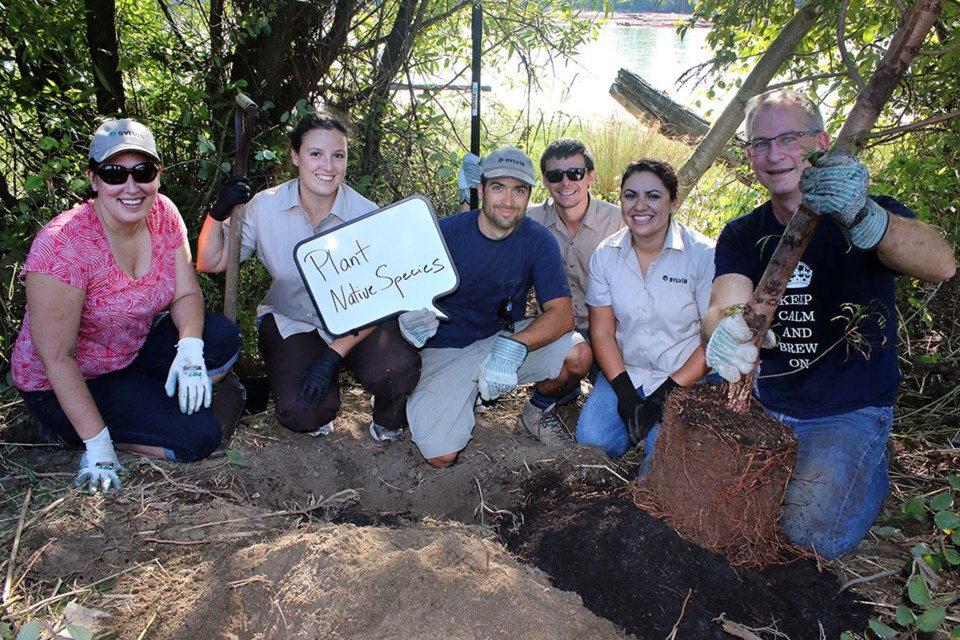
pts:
pixel 658 20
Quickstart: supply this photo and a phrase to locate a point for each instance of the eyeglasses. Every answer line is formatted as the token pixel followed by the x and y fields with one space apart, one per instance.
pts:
pixel 117 174
pixel 786 141
pixel 556 175
pixel 505 314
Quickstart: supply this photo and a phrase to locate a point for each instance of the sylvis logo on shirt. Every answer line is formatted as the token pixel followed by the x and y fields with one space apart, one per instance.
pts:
pixel 673 280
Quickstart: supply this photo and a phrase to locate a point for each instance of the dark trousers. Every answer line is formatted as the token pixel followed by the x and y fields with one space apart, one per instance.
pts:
pixel 384 363
pixel 134 404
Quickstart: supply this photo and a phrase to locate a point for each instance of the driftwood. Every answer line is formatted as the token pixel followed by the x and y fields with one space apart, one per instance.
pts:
pixel 762 307
pixel 672 119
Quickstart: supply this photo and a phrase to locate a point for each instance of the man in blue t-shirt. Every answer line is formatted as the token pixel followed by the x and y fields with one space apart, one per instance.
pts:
pixel 830 371
pixel 487 348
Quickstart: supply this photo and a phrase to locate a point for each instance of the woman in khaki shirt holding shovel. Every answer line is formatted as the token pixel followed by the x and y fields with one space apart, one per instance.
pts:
pixel 302 359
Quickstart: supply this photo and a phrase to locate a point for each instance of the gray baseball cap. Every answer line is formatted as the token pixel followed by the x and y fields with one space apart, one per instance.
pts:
pixel 117 136
pixel 509 162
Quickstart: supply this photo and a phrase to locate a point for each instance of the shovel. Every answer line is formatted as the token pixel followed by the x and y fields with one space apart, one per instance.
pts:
pixel 231 396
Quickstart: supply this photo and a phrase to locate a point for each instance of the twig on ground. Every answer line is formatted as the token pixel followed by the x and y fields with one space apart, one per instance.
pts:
pixel 347 495
pixel 8 583
pixel 876 576
pixel 52 474
pixel 236 584
pixel 33 560
pixel 683 610
pixel 143 634
pixel 603 466
pixel 28 444
pixel 183 543
pixel 750 633
pixel 180 485
pixel 396 488
pixel 78 591
pixel 50 507
pixel 482 508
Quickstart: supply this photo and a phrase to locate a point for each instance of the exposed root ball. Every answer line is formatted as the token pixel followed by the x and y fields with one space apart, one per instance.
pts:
pixel 719 478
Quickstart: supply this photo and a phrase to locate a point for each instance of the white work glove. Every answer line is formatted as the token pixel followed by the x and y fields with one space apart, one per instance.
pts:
pixel 497 374
pixel 731 351
pixel 188 373
pixel 99 467
pixel 468 176
pixel 837 186
pixel 418 326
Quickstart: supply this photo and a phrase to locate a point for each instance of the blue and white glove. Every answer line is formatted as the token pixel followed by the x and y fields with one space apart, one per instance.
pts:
pixel 837 186
pixel 418 326
pixel 99 467
pixel 731 351
pixel 468 177
pixel 188 374
pixel 497 373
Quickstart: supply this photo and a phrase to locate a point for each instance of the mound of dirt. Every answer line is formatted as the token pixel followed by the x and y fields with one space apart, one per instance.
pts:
pixel 266 542
pixel 343 581
pixel 631 568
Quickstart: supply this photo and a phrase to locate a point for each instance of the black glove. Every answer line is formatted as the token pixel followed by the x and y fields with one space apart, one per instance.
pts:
pixel 652 410
pixel 316 380
pixel 629 406
pixel 234 191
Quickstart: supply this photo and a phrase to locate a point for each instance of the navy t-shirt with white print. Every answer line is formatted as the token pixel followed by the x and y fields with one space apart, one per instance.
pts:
pixel 817 369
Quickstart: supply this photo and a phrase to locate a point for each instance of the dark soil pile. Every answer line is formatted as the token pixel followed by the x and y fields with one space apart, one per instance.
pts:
pixel 719 477
pixel 632 569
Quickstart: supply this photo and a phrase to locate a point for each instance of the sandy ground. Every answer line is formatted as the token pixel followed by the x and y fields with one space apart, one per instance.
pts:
pixel 264 542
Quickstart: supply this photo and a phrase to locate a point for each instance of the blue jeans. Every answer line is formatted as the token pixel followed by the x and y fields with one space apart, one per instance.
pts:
pixel 841 479
pixel 601 426
pixel 134 404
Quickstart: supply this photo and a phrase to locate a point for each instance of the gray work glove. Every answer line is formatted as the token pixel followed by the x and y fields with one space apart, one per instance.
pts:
pixel 468 176
pixel 418 326
pixel 836 185
pixel 99 467
pixel 497 374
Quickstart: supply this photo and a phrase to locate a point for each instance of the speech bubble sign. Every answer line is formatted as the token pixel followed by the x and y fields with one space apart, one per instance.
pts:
pixel 386 262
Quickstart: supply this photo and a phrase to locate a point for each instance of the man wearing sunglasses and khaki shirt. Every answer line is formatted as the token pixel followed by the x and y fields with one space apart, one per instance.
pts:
pixel 576 219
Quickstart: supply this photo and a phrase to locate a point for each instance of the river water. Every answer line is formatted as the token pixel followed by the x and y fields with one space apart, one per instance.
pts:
pixel 581 86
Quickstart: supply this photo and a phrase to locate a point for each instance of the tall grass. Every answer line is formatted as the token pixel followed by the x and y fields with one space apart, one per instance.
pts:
pixel 615 142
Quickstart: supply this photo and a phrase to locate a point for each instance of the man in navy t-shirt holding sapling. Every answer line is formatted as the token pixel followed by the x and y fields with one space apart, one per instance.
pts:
pixel 832 375
pixel 487 348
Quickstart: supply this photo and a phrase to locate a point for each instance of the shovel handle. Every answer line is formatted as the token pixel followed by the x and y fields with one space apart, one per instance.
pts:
pixel 244 118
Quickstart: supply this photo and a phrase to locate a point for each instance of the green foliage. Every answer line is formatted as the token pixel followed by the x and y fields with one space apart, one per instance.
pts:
pixel 236 458
pixel 29 631
pixel 180 77
pixel 925 609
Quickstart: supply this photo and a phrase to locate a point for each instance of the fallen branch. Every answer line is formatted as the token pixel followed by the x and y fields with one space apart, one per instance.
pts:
pixel 8 583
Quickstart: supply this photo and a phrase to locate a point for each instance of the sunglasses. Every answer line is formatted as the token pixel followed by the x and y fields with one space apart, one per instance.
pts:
pixel 556 175
pixel 117 174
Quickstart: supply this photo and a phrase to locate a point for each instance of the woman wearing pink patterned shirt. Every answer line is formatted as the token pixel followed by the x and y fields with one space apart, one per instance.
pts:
pixel 95 348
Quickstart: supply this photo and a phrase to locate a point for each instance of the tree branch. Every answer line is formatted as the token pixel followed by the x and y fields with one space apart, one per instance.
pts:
pixel 842 47
pixel 913 126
